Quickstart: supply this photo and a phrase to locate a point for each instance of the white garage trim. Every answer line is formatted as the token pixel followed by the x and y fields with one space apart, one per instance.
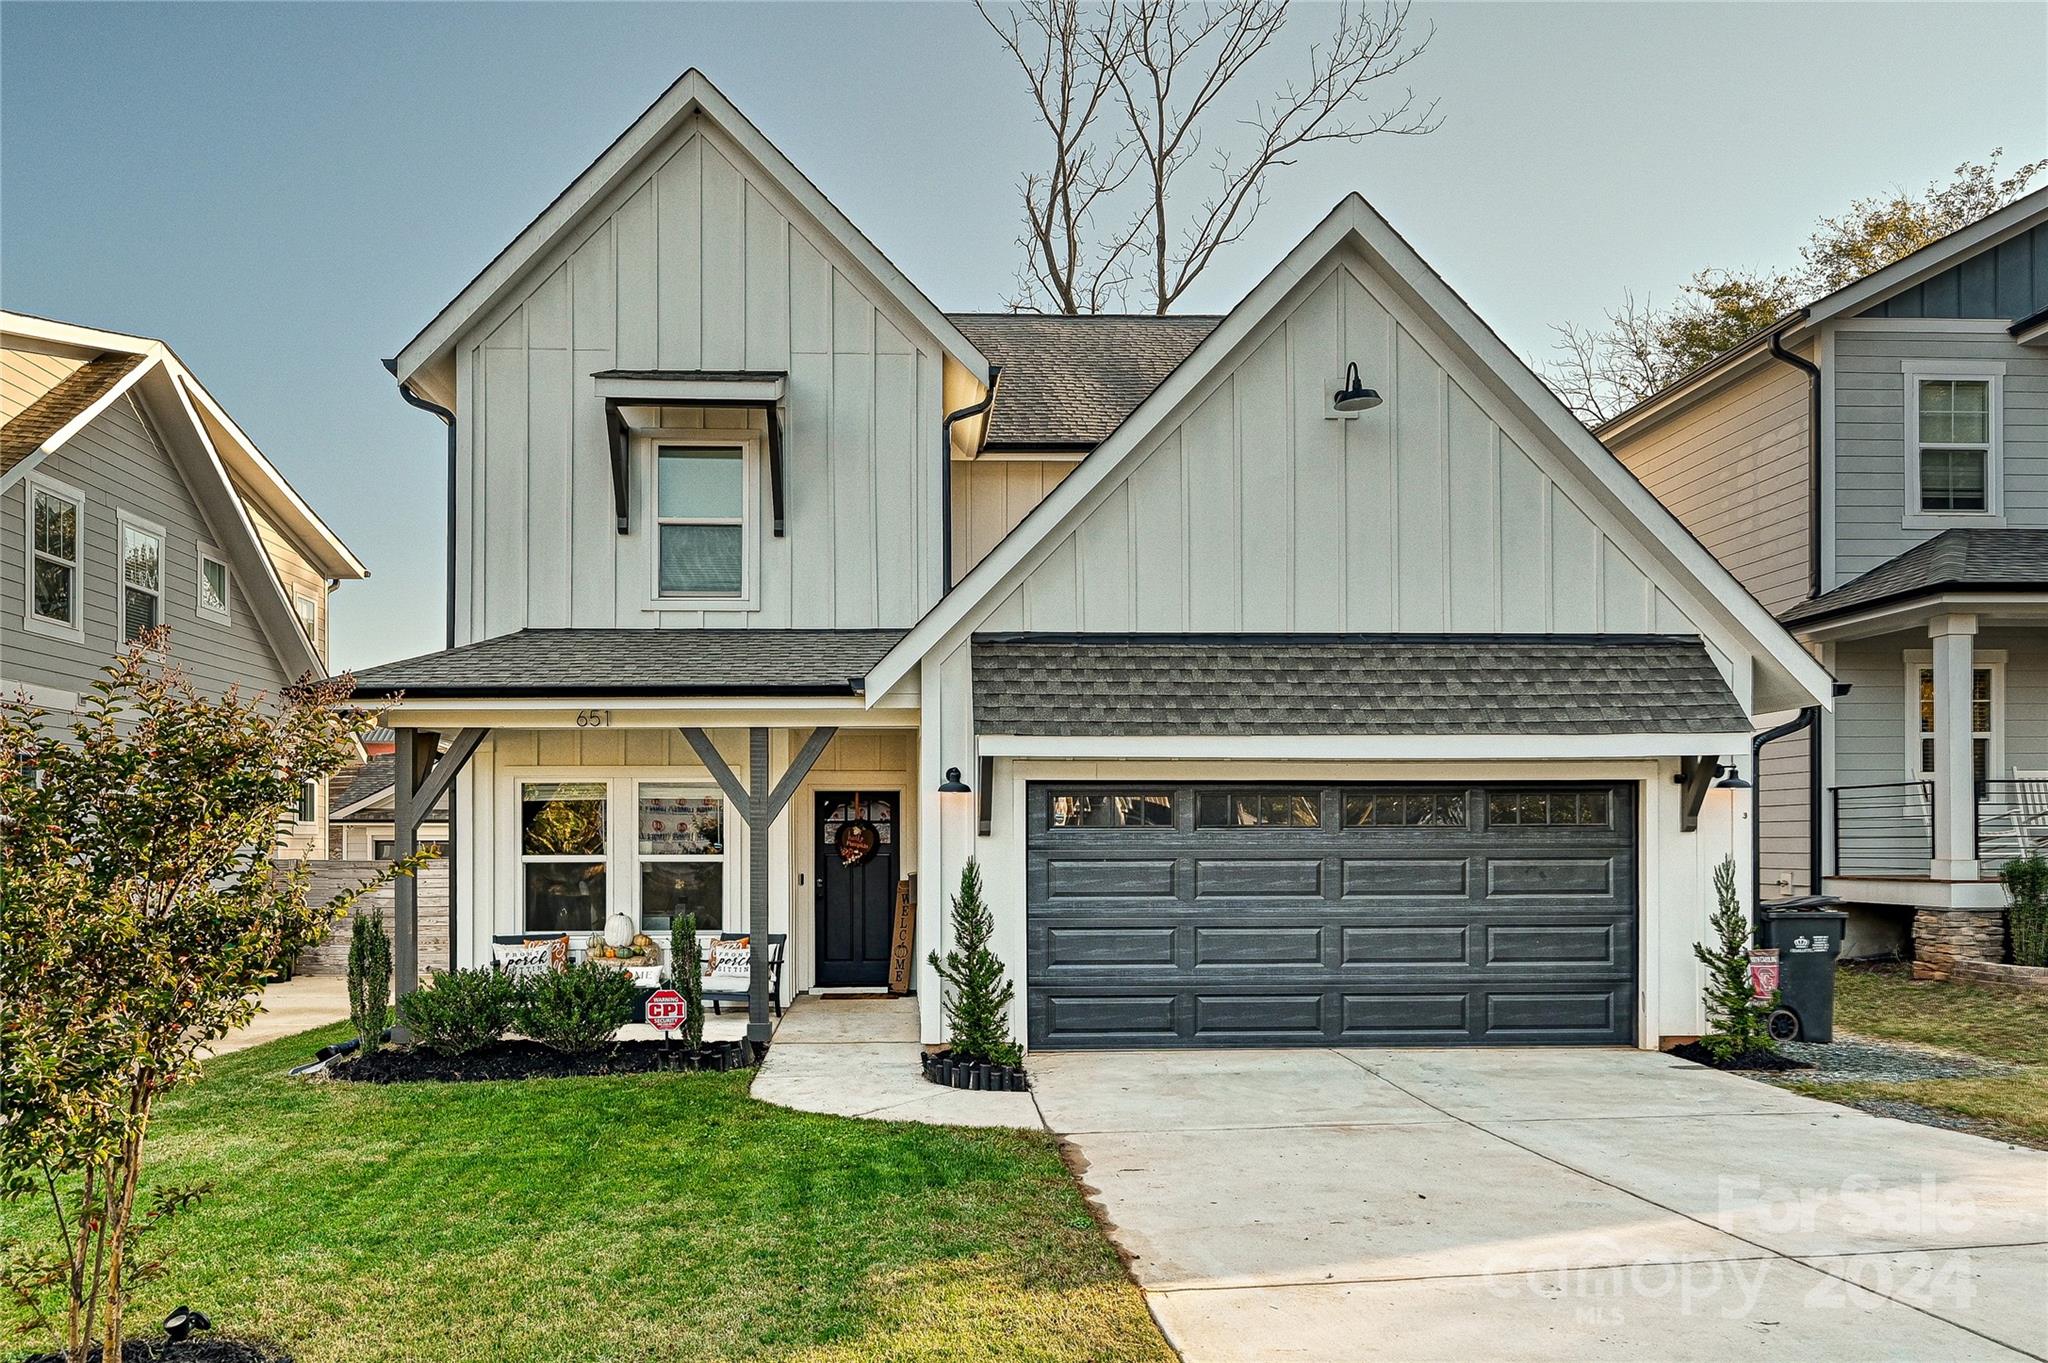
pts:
pixel 1365 747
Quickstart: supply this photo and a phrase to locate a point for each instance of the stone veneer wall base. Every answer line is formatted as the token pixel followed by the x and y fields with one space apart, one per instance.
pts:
pixel 1947 940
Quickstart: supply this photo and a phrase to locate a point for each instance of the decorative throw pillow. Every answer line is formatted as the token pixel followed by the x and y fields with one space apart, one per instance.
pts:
pixel 732 958
pixel 558 949
pixel 523 962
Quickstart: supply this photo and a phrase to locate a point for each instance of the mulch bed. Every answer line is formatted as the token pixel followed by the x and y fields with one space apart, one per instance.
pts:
pixel 1754 1060
pixel 200 1348
pixel 531 1060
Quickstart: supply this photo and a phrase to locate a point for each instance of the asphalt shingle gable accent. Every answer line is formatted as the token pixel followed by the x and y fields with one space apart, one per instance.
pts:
pixel 56 409
pixel 1349 684
pixel 374 777
pixel 1954 560
pixel 640 662
pixel 1068 382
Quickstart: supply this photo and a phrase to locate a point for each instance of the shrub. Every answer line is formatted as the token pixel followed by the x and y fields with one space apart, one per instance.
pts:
pixel 464 1010
pixel 978 1004
pixel 686 977
pixel 369 979
pixel 2026 893
pixel 1739 1024
pixel 578 1009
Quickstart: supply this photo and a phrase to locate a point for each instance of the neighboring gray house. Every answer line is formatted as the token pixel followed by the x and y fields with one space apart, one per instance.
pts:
pixel 1270 718
pixel 130 499
pixel 359 813
pixel 1874 468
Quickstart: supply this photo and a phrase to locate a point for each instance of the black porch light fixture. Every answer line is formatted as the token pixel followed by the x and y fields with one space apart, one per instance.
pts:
pixel 1731 778
pixel 1354 396
pixel 953 785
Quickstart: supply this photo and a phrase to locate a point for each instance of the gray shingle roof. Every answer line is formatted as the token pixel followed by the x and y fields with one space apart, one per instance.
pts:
pixel 374 777
pixel 1954 560
pixel 54 410
pixel 1350 684
pixel 1069 381
pixel 640 662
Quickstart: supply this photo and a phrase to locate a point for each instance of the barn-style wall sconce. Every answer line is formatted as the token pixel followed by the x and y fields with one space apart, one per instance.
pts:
pixel 1354 397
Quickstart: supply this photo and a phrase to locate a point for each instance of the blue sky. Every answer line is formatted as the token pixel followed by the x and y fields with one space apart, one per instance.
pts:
pixel 286 193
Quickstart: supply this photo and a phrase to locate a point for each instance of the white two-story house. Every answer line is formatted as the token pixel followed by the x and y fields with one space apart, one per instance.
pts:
pixel 1305 675
pixel 1874 467
pixel 130 499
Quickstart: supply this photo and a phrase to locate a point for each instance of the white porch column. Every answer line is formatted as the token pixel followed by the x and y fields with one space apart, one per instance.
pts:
pixel 1955 785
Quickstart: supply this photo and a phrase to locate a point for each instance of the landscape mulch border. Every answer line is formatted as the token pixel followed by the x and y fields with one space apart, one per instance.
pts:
pixel 1753 1060
pixel 982 1075
pixel 531 1060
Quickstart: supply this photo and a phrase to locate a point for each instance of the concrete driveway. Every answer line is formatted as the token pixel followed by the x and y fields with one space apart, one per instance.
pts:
pixel 1523 1204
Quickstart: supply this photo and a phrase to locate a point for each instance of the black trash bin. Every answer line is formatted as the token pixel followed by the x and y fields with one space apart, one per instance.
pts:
pixel 1807 931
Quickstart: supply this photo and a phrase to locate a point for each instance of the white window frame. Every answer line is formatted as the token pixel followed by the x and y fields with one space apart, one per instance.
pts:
pixel 309 797
pixel 225 612
pixel 1989 372
pixel 1988 659
pixel 748 443
pixel 694 788
pixel 42 624
pixel 312 626
pixel 123 523
pixel 622 843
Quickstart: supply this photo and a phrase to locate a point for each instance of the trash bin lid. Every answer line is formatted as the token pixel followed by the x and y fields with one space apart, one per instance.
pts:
pixel 1805 903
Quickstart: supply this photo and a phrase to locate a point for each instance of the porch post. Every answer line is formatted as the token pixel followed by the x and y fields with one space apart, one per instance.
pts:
pixel 1955 783
pixel 760 816
pixel 405 890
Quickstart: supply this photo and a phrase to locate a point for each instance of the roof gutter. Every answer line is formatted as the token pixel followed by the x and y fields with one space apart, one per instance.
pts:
pixel 1812 372
pixel 448 418
pixel 995 374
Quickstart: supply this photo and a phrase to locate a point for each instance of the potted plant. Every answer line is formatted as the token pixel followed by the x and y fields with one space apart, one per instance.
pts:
pixel 981 1053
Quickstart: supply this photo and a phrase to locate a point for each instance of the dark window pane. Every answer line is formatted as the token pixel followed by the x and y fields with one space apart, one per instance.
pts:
pixel 139 611
pixel 564 896
pixel 1404 809
pixel 53 591
pixel 669 889
pixel 700 560
pixel 680 821
pixel 1258 809
pixel 1503 809
pixel 562 819
pixel 56 527
pixel 1093 809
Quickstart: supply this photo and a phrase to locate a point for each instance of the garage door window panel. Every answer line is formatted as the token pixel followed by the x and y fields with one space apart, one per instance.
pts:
pixel 1143 810
pixel 1276 807
pixel 1549 809
pixel 1404 809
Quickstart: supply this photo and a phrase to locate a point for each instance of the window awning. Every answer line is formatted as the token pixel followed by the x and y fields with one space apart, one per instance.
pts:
pixel 762 390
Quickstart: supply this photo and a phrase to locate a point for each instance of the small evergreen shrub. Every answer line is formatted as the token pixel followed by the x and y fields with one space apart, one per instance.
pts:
pixel 369 979
pixel 1738 1022
pixel 686 977
pixel 2026 894
pixel 977 1003
pixel 579 1009
pixel 464 1010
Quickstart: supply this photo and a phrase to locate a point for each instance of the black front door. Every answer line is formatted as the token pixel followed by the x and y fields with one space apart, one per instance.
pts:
pixel 856 838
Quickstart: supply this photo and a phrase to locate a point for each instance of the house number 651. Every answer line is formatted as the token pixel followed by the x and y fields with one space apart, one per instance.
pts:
pixel 593 719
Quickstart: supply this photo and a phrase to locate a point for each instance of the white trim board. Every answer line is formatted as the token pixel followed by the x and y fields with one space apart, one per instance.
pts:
pixel 1365 747
pixel 1620 498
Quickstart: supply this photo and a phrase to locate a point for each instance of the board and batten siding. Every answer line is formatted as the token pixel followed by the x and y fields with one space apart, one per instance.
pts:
pixel 119 466
pixel 2009 281
pixel 1870 436
pixel 1736 469
pixel 26 375
pixel 696 261
pixel 1256 511
pixel 990 496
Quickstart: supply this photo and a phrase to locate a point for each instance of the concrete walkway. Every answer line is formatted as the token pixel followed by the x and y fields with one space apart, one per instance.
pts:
pixel 1519 1204
pixel 289 1007
pixel 858 1057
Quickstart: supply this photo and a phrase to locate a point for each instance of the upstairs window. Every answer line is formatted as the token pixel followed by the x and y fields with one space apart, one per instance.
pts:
pixel 700 503
pixel 56 519
pixel 213 584
pixel 1952 438
pixel 309 617
pixel 142 577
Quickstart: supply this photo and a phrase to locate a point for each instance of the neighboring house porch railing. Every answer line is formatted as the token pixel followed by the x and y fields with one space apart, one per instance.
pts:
pixel 1883 830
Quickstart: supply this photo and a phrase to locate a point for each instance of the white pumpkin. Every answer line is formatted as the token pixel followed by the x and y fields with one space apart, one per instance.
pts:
pixel 619 930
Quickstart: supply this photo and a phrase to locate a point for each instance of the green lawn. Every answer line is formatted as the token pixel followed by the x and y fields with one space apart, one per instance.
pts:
pixel 657 1217
pixel 1992 1021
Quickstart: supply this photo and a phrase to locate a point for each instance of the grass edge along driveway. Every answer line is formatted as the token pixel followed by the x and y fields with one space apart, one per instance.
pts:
pixel 645 1217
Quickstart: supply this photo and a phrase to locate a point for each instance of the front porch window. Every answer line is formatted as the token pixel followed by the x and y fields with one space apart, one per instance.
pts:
pixel 682 855
pixel 562 846
pixel 1983 722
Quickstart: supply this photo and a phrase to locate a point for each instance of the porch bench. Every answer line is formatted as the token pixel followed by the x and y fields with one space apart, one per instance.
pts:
pixel 716 997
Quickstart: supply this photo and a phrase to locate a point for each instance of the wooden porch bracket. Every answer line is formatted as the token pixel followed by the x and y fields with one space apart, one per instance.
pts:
pixel 421 776
pixel 1695 775
pixel 760 804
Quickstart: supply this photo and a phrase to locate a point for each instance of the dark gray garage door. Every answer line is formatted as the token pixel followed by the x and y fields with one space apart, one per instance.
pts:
pixel 1235 915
